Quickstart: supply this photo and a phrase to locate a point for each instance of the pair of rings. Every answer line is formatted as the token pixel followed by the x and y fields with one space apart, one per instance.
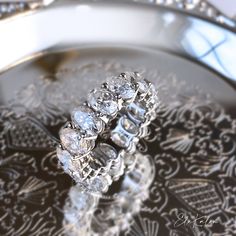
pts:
pixel 98 144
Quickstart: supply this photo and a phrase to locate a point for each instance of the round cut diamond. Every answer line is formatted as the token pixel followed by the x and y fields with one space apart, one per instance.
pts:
pixel 143 85
pixel 74 143
pixel 103 101
pixel 122 87
pixel 84 118
pixel 99 184
pixel 65 159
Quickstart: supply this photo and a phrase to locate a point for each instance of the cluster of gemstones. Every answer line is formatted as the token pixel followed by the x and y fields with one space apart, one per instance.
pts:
pixel 84 216
pixel 97 145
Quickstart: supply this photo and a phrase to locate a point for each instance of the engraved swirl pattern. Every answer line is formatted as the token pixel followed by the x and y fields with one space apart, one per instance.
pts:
pixel 193 145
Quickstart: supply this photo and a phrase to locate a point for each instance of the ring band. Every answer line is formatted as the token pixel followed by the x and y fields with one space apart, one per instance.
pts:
pixel 83 215
pixel 97 144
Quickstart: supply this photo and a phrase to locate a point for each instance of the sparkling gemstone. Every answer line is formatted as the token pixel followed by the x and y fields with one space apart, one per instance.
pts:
pixel 129 161
pixel 129 125
pixel 153 101
pixel 99 184
pixel 74 143
pixel 103 101
pixel 65 159
pixel 71 215
pixel 120 138
pixel 74 221
pixel 82 200
pixel 124 133
pixel 143 85
pixel 103 153
pixel 77 166
pixel 122 87
pixel 117 169
pixel 137 111
pixel 95 164
pixel 152 89
pixel 190 4
pixel 108 150
pixel 84 118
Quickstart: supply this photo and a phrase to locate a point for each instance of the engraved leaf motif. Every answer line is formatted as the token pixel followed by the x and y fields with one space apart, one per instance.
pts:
pixel 35 191
pixel 203 165
pixel 143 227
pixel 18 164
pixel 178 141
pixel 34 98
pixel 35 225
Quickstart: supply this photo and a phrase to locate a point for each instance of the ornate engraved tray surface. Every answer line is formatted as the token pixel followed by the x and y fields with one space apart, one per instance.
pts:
pixel 192 143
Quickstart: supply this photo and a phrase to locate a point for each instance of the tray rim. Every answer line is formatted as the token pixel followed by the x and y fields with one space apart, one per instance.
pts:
pixel 149 7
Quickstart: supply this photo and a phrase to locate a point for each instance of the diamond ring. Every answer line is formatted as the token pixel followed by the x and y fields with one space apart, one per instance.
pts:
pixel 97 144
pixel 87 214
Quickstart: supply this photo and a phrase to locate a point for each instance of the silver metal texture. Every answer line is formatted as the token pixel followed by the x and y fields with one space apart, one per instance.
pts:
pixel 121 108
pixel 159 28
pixel 51 58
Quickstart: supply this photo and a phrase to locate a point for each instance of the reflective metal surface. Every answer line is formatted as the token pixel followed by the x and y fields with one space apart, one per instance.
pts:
pixel 73 24
pixel 192 143
pixel 13 7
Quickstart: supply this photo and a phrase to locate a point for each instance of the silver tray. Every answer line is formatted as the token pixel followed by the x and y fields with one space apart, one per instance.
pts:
pixel 50 59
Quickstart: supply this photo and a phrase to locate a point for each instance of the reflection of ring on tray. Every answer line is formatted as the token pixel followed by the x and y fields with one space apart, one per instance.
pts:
pixel 88 213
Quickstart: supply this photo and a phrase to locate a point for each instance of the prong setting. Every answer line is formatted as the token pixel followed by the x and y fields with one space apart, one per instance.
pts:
pixel 129 101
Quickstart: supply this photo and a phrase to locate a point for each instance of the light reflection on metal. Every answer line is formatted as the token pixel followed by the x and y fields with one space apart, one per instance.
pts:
pixel 34 33
pixel 211 46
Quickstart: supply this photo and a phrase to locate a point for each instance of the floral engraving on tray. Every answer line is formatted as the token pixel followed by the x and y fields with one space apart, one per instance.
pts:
pixel 192 143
